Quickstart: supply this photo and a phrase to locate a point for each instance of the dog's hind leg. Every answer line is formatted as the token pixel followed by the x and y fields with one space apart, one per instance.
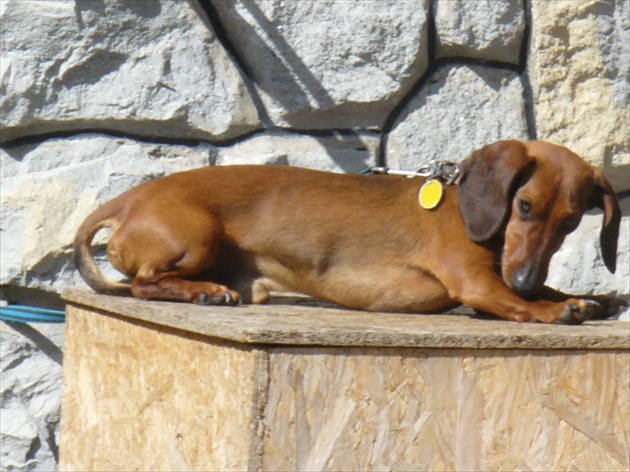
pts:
pixel 175 288
pixel 164 255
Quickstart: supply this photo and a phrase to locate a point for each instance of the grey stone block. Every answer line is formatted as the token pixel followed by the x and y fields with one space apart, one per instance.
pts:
pixel 460 109
pixel 326 65
pixel 144 67
pixel 491 30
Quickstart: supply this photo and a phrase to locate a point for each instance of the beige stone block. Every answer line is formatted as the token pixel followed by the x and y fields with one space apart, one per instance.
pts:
pixel 578 67
pixel 48 189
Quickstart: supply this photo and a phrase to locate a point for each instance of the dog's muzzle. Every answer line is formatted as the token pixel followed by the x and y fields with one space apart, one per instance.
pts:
pixel 525 281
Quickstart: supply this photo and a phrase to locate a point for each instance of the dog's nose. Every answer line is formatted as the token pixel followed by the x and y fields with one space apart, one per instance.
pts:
pixel 524 281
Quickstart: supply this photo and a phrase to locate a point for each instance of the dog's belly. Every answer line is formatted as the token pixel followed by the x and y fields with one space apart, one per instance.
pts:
pixel 360 282
pixel 387 288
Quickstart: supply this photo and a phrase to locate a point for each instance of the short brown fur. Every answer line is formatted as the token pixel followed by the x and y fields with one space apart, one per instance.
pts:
pixel 223 235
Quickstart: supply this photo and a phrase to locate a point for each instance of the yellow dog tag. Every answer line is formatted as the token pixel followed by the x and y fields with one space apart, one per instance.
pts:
pixel 430 194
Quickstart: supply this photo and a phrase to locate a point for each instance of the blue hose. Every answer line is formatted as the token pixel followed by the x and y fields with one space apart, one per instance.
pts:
pixel 31 314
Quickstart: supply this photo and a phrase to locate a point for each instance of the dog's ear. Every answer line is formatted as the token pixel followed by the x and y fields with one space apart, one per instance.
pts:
pixel 606 199
pixel 487 184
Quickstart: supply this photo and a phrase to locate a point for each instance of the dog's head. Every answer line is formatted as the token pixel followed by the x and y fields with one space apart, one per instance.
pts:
pixel 535 193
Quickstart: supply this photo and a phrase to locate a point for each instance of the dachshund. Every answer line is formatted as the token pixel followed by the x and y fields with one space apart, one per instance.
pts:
pixel 232 234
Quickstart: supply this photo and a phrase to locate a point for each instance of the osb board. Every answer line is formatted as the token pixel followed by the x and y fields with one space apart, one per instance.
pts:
pixel 299 324
pixel 137 398
pixel 410 409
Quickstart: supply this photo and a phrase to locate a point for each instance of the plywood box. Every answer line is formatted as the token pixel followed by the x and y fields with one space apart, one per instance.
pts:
pixel 165 386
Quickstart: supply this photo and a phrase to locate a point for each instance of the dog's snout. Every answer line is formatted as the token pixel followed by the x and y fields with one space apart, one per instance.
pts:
pixel 525 281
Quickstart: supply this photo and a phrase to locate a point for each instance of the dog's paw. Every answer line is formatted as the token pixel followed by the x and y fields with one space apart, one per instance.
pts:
pixel 609 306
pixel 228 299
pixel 578 311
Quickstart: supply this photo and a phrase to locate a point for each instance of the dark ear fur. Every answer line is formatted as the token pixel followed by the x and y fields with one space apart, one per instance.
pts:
pixel 606 199
pixel 485 187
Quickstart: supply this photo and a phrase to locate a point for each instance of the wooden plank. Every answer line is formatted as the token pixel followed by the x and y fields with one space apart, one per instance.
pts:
pixel 312 325
pixel 429 409
pixel 137 398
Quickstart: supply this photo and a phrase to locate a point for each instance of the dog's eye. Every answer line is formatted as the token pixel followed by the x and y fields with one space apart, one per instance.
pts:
pixel 569 224
pixel 525 208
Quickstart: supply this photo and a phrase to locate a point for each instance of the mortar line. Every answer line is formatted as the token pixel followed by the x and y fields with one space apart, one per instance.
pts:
pixel 36 139
pixel 528 91
pixel 434 65
pixel 393 115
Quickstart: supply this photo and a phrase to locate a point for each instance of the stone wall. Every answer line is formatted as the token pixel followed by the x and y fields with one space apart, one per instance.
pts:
pixel 31 369
pixel 100 95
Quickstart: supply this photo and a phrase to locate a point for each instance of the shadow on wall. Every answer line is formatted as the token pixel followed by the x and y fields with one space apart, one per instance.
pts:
pixel 292 94
pixel 296 86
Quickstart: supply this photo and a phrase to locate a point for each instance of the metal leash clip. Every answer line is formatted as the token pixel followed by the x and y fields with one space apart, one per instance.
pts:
pixel 445 170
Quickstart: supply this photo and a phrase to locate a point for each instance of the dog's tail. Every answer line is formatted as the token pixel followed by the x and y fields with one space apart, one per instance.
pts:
pixel 103 217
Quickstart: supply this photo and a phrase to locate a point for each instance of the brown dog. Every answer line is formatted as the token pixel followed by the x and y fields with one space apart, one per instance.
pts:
pixel 361 241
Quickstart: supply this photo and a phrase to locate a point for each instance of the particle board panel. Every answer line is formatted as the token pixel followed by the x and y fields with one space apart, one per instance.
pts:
pixel 140 398
pixel 300 386
pixel 293 323
pixel 435 409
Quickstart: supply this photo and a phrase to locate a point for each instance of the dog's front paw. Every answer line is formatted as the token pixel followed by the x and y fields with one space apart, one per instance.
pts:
pixel 578 311
pixel 608 306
